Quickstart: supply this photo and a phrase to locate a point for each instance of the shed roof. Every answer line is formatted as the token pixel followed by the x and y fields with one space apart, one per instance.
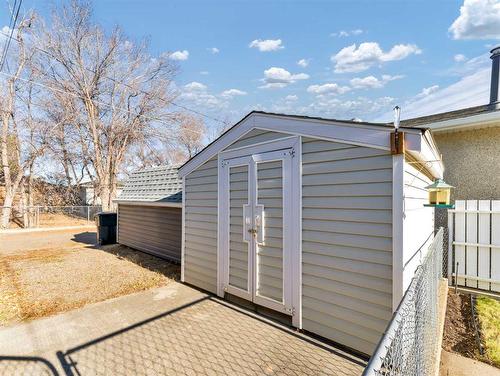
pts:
pixel 160 185
pixel 373 135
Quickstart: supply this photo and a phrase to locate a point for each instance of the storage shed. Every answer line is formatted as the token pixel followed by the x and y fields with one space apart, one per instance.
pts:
pixel 313 218
pixel 150 212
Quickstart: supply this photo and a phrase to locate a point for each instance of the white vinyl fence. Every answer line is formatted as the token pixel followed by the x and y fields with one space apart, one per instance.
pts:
pixel 474 244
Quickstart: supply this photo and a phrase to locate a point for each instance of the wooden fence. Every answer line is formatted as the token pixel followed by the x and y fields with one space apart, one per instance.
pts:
pixel 474 244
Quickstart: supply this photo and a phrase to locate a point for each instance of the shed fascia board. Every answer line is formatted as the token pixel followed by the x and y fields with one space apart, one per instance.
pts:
pixel 363 135
pixel 150 203
pixel 475 121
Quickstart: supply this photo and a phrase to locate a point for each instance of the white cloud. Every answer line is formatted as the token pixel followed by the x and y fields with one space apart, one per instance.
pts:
pixel 346 33
pixel 325 89
pixel 479 19
pixel 275 77
pixel 179 55
pixel 197 93
pixel 357 59
pixel 303 63
pixel 372 82
pixel 291 98
pixel 5 32
pixel 266 45
pixel 426 91
pixel 204 73
pixel 231 93
pixel 214 50
pixel 195 86
pixel 459 58
pixel 360 107
pixel 471 90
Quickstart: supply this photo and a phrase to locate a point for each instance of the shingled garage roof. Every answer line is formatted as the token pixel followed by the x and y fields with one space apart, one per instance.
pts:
pixel 160 185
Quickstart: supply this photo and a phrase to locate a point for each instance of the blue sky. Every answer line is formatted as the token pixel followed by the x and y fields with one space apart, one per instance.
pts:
pixel 340 59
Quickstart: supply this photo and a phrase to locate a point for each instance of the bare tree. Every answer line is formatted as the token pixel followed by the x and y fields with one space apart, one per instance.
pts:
pixel 121 94
pixel 191 134
pixel 21 138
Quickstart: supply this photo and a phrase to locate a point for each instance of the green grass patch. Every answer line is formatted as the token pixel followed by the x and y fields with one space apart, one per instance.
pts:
pixel 488 310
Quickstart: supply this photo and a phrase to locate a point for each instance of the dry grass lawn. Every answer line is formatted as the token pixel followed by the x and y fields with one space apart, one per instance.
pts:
pixel 54 220
pixel 40 283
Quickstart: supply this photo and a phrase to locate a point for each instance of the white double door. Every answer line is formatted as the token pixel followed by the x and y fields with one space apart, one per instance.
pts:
pixel 256 206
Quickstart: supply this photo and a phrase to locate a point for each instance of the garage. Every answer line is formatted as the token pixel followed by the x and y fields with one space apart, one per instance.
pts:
pixel 150 212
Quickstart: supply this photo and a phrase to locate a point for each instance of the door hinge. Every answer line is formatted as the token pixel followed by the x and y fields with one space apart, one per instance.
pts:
pixel 291 311
pixel 292 153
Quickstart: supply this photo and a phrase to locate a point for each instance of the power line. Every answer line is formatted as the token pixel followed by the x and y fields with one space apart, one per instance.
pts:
pixel 94 100
pixel 127 85
pixel 7 43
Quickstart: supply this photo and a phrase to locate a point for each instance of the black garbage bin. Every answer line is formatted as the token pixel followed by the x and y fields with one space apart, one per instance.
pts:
pixel 106 227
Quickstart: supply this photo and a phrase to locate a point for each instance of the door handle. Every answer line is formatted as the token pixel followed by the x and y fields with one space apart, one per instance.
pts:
pixel 252 231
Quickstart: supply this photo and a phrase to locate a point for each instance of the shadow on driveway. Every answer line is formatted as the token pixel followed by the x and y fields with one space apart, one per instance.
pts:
pixel 26 366
pixel 87 237
pixel 206 337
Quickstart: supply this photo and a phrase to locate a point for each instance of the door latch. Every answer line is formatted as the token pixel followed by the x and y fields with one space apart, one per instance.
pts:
pixel 252 231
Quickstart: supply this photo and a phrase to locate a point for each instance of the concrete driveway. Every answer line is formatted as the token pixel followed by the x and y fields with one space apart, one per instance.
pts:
pixel 173 330
pixel 24 240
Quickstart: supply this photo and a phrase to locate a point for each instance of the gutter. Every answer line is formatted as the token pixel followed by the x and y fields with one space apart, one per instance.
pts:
pixel 488 119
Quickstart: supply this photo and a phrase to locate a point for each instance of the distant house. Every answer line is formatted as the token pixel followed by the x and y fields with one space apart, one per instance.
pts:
pixel 150 212
pixel 89 196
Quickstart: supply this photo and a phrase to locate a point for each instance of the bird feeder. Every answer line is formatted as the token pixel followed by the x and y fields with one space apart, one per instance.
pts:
pixel 439 194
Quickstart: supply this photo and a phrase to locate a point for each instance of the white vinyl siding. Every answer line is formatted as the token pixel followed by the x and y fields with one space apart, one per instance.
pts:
pixel 200 250
pixel 416 216
pixel 155 230
pixel 346 242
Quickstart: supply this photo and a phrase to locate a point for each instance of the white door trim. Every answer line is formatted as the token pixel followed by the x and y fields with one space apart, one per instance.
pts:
pixel 293 221
pixel 224 223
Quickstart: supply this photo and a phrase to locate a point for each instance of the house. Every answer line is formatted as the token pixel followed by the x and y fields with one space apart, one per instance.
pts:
pixel 469 140
pixel 316 221
pixel 150 214
pixel 89 196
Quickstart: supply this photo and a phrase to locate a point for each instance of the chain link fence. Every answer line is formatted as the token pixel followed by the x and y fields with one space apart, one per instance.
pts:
pixel 53 216
pixel 409 345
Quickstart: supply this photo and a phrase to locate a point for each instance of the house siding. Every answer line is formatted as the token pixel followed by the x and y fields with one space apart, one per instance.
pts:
pixel 155 230
pixel 346 242
pixel 472 163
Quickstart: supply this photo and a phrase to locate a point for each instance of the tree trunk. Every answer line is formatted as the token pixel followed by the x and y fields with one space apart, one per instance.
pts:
pixel 23 206
pixel 105 196
pixel 7 209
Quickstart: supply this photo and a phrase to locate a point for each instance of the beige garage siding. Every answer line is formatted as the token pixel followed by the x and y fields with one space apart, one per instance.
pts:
pixel 346 242
pixel 156 230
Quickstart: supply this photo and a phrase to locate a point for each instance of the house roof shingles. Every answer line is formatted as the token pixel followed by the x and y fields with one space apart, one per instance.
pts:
pixel 434 118
pixel 156 184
